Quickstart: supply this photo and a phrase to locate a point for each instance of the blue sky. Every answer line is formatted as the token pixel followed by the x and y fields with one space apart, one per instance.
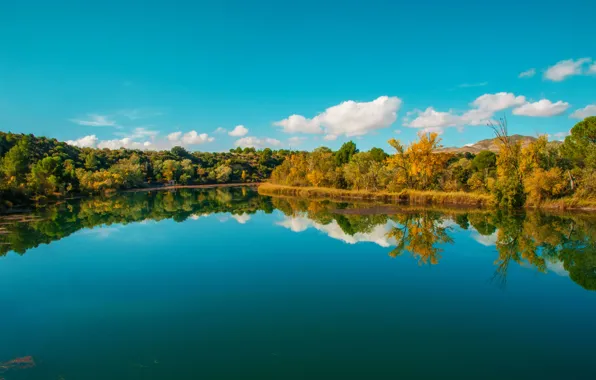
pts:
pixel 158 74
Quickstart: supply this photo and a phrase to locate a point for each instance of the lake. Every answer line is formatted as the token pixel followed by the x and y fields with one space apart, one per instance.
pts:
pixel 227 284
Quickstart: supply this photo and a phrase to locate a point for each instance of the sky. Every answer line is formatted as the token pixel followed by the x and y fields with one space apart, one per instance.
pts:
pixel 213 75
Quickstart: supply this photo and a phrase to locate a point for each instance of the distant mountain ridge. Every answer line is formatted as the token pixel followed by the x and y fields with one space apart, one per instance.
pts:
pixel 488 144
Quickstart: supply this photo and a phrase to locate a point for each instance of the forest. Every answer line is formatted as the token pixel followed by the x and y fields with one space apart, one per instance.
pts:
pixel 541 172
pixel 38 169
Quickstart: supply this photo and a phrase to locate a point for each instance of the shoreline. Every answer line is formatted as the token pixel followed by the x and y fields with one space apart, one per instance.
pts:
pixel 455 200
pixel 176 187
pixel 414 197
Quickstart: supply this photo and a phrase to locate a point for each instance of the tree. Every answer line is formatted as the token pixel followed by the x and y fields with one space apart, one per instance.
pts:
pixel 484 161
pixel 223 173
pixel 180 152
pixel 345 153
pixel 509 188
pixel 43 179
pixel 91 162
pixel 418 165
pixel 15 164
pixel 580 145
pixel 170 170
pixel 378 154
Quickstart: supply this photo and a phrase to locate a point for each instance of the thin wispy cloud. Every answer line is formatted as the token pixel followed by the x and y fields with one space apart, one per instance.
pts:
pixel 140 113
pixel 527 74
pixel 468 85
pixel 95 120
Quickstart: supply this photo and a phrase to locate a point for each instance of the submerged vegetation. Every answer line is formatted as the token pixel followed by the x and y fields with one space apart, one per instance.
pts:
pixel 530 239
pixel 542 173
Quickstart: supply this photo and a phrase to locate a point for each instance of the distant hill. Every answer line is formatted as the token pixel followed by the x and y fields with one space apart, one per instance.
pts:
pixel 488 144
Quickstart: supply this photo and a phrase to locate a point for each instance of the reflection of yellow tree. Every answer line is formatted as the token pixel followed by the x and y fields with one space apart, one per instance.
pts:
pixel 513 245
pixel 420 234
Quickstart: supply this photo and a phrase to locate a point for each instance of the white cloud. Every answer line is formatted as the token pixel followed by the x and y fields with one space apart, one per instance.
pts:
pixel 592 69
pixel 431 118
pixel 560 136
pixel 295 140
pixel 467 85
pixel 527 74
pixel 566 68
pixel 139 133
pixel 483 110
pixel 142 138
pixel 127 143
pixel 437 130
pixel 84 142
pixel 582 113
pixel 256 142
pixel 242 219
pixel 238 131
pixel 189 138
pixel 348 118
pixel 299 124
pixel 220 130
pixel 95 120
pixel 498 101
pixel 541 108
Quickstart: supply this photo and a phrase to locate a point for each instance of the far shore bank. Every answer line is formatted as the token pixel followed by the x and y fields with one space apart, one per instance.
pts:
pixel 176 187
pixel 457 199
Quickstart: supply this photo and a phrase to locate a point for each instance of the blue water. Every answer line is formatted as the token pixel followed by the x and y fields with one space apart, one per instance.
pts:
pixel 259 293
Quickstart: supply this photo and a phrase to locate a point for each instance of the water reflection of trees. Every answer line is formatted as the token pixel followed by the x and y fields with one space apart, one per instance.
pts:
pixel 531 239
pixel 420 234
pixel 61 220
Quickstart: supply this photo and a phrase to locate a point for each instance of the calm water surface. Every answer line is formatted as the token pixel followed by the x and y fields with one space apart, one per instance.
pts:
pixel 227 284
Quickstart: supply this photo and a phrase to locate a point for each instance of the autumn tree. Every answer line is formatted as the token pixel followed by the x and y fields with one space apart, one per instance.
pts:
pixel 509 188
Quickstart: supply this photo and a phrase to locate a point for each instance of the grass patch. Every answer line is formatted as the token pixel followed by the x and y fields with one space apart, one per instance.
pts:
pixel 456 198
pixel 570 203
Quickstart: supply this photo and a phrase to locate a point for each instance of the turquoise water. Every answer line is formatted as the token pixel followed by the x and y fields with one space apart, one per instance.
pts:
pixel 227 284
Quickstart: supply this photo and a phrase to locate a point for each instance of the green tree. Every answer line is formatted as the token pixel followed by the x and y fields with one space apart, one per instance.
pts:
pixel 378 154
pixel 91 162
pixel 15 164
pixel 580 145
pixel 345 153
pixel 484 161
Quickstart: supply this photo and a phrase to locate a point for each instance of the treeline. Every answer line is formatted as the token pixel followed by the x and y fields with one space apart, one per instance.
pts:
pixel 515 176
pixel 38 168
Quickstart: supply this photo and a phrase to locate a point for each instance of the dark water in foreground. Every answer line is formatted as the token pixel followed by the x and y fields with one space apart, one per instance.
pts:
pixel 226 284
